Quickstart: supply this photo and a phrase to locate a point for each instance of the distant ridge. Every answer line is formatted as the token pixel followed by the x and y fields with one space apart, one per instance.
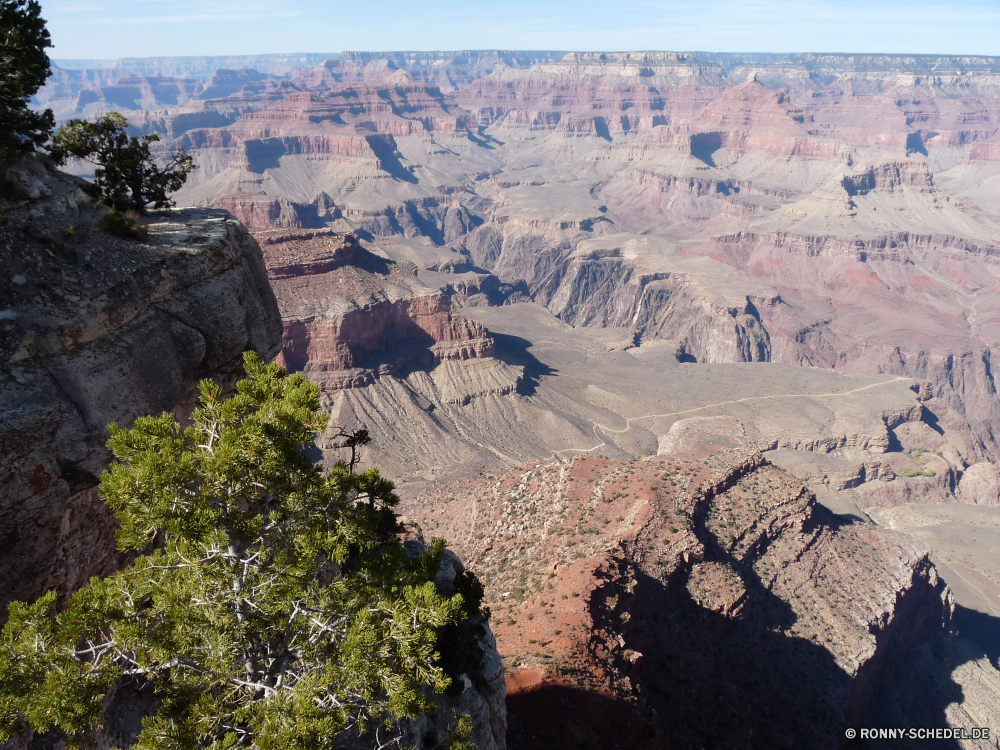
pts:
pixel 195 66
pixel 859 63
pixel 416 59
pixel 279 64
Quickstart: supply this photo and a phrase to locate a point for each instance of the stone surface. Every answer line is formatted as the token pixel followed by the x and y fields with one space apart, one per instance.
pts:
pixel 105 329
pixel 695 601
pixel 483 694
pixel 347 310
pixel 980 485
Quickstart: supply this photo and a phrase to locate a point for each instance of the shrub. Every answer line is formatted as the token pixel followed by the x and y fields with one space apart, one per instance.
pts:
pixel 11 186
pixel 270 606
pixel 124 224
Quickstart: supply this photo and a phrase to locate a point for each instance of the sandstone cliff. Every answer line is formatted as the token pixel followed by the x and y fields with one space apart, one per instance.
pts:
pixel 351 315
pixel 94 329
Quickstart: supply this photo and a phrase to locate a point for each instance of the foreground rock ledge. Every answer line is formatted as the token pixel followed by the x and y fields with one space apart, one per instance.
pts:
pixel 94 329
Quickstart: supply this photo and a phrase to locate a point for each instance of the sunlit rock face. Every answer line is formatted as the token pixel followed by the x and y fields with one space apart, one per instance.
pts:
pixel 496 260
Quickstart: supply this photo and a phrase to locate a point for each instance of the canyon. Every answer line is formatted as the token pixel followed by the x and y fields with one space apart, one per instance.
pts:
pixel 97 329
pixel 727 323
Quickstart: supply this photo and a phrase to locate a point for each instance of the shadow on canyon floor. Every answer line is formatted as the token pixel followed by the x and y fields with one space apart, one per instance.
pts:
pixel 513 350
pixel 979 630
pixel 703 681
pixel 370 262
pixel 709 681
pixel 388 159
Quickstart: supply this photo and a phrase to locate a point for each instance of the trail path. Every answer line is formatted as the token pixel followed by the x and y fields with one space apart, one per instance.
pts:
pixel 630 420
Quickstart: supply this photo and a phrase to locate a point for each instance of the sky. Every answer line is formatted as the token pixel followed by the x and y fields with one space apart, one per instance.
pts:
pixel 108 29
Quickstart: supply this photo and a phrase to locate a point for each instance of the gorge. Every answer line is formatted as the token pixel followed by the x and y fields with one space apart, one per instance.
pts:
pixel 690 355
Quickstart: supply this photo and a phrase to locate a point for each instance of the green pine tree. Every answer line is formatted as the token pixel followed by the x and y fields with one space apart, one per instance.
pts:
pixel 271 607
pixel 24 66
pixel 127 174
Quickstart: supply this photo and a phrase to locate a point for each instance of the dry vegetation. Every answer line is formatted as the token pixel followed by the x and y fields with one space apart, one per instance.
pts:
pixel 670 585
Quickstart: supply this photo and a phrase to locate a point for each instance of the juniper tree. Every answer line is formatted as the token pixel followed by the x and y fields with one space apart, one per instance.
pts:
pixel 272 605
pixel 127 175
pixel 24 66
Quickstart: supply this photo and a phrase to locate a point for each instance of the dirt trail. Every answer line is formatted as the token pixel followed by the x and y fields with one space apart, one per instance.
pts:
pixel 630 420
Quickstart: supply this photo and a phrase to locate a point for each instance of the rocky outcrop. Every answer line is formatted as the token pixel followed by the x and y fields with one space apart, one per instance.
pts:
pixel 482 692
pixel 95 329
pixel 261 211
pixel 382 334
pixel 980 485
pixel 699 596
pixel 603 288
pixel 351 316
pixel 887 176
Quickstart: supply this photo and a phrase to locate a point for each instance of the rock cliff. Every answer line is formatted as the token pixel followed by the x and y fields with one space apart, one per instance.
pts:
pixel 692 599
pixel 351 315
pixel 94 329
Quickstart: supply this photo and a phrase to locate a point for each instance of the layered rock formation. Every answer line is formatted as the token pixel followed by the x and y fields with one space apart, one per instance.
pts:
pixel 381 345
pixel 688 600
pixel 703 150
pixel 95 329
pixel 812 237
pixel 351 315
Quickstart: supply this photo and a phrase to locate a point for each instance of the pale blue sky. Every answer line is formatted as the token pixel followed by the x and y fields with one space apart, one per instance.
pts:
pixel 144 28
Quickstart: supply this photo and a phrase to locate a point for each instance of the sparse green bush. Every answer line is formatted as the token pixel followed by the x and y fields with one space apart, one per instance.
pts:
pixel 124 224
pixel 922 471
pixel 917 473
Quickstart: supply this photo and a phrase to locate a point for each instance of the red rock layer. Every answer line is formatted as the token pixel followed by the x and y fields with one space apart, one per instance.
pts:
pixel 259 211
pixel 380 317
pixel 684 603
pixel 380 333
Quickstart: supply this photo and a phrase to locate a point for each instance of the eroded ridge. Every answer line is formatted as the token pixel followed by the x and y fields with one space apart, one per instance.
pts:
pixel 709 597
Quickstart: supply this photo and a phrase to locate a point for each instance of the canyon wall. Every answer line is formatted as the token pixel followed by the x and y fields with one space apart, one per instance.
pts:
pixel 688 599
pixel 350 315
pixel 96 329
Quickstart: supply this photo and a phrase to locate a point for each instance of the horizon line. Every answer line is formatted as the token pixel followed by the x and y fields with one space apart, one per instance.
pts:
pixel 56 60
